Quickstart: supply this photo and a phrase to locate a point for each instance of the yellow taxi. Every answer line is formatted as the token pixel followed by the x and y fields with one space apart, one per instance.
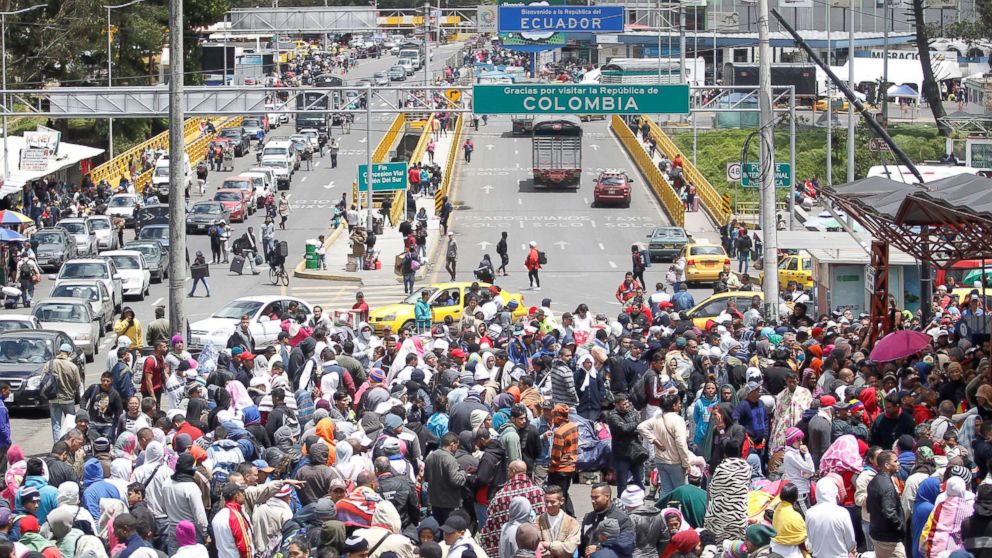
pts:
pixel 711 308
pixel 797 268
pixel 838 103
pixel 446 299
pixel 704 262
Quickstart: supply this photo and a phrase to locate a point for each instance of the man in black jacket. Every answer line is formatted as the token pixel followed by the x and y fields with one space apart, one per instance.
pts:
pixel 602 507
pixel 399 490
pixel 628 452
pixel 885 510
pixel 530 440
pixel 491 473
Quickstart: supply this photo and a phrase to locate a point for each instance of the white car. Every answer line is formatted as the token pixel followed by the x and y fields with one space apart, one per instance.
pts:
pixel 106 236
pixel 312 136
pixel 102 269
pixel 72 317
pixel 282 169
pixel 123 206
pixel 82 231
pixel 92 291
pixel 221 324
pixel 13 322
pixel 277 114
pixel 135 275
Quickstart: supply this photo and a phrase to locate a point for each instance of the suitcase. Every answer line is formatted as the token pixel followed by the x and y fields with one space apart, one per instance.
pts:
pixel 237 264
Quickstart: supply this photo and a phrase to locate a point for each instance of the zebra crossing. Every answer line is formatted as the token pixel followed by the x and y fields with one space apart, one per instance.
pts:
pixel 341 297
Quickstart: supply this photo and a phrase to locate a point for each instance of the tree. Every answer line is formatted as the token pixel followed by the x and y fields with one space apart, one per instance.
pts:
pixel 930 88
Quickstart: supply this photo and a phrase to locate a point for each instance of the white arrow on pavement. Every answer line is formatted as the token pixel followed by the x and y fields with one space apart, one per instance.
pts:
pixel 329 185
pixel 483 245
pixel 490 146
pixel 561 244
pixel 363 140
pixel 488 188
pixel 594 147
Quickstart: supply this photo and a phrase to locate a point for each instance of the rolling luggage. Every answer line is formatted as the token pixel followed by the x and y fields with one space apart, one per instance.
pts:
pixel 237 264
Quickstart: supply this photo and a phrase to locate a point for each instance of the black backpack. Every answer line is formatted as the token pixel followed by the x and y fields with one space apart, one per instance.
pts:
pixel 638 395
pixel 49 388
pixel 542 258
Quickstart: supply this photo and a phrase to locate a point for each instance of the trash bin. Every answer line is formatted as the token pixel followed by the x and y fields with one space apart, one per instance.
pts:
pixel 311 254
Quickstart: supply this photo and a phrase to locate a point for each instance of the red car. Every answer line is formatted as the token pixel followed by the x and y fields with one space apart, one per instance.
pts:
pixel 233 201
pixel 612 187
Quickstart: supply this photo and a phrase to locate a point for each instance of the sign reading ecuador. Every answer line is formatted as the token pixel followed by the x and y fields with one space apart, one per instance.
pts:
pixel 565 19
pixel 580 99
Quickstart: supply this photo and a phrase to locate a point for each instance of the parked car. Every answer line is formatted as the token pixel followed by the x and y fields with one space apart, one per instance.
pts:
pixel 220 325
pixel 106 236
pixel 53 247
pixel 239 139
pixel 25 355
pixel 234 202
pixel 94 268
pixel 206 214
pixel 86 242
pixel 92 291
pixel 135 277
pixel 665 243
pixel 156 257
pixel 71 316
pixel 13 322
pixel 123 206
pixel 158 233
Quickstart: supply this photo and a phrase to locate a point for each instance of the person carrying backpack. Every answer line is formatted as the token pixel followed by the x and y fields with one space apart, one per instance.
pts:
pixel 743 246
pixel 409 267
pixel 533 265
pixel 468 147
pixel 28 275
pixel 638 264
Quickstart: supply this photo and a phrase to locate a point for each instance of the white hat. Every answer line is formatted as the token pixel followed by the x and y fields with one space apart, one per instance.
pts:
pixel 715 352
pixel 632 497
pixel 533 244
pixel 481 375
pixel 441 344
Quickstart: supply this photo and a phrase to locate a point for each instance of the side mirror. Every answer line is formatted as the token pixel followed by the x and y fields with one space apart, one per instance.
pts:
pixel 264 319
pixel 52 277
pixel 117 277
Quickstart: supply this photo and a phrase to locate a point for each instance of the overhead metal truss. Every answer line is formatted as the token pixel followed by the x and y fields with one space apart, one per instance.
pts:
pixel 977 125
pixel 722 99
pixel 302 20
pixel 145 102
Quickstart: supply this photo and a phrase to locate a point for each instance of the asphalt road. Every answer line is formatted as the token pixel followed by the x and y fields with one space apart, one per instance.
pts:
pixel 588 248
pixel 312 195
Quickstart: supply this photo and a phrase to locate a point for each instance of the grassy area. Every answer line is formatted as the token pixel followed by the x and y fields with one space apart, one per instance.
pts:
pixel 714 149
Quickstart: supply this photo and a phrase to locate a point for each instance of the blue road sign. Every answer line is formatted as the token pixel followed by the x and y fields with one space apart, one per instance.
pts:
pixel 561 19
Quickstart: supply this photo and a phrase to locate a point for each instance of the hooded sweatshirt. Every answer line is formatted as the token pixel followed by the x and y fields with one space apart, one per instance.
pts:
pixel 621 546
pixel 156 473
pixel 96 486
pixel 49 496
pixel 649 530
pixel 68 499
pixel 519 513
pixel 386 527
pixel 58 527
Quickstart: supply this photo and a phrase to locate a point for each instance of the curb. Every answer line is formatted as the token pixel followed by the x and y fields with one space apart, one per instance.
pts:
pixel 321 276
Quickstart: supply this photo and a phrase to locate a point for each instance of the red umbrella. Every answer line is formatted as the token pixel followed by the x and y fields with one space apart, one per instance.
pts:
pixel 899 344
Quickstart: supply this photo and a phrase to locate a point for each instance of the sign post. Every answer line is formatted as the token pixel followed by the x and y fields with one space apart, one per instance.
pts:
pixel 581 99
pixel 751 172
pixel 385 177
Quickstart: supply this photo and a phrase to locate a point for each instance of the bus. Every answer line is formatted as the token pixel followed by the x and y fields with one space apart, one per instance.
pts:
pixel 650 71
pixel 556 149
pixel 930 173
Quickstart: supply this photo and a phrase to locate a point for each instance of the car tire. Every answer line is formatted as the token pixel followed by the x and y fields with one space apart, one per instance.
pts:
pixel 409 324
pixel 91 357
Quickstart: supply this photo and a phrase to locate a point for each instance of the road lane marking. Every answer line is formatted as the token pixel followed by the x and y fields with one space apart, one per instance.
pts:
pixel 304 179
pixel 585 201
pixel 521 224
pixel 520 201
pixel 157 302
pixel 593 223
pixel 613 265
pixel 316 164
pixel 601 247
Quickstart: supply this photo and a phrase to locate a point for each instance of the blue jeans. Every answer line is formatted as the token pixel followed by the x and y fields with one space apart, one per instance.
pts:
pixel 27 292
pixel 192 291
pixel 670 477
pixel 480 514
pixel 408 282
pixel 58 410
pixel 744 257
pixel 628 472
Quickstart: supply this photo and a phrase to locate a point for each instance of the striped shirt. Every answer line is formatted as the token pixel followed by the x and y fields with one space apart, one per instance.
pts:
pixel 564 448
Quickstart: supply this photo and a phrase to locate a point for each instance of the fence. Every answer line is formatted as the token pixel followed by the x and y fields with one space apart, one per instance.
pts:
pixel 119 166
pixel 662 190
pixel 449 166
pixel 196 145
pixel 750 212
pixel 712 203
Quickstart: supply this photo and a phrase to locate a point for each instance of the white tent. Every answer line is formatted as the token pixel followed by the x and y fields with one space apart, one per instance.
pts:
pixel 870 70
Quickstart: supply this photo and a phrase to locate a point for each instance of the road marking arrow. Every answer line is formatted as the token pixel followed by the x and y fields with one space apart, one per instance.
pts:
pixel 488 188
pixel 490 146
pixel 363 140
pixel 594 147
pixel 561 244
pixel 329 185
pixel 483 245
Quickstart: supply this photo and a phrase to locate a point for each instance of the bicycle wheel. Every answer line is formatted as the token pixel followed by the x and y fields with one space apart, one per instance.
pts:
pixel 285 278
pixel 274 275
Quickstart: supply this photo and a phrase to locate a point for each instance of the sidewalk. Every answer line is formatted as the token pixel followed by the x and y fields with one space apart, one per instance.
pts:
pixel 697 223
pixel 338 245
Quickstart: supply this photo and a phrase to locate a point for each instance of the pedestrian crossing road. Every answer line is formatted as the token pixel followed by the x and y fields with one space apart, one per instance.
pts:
pixel 335 296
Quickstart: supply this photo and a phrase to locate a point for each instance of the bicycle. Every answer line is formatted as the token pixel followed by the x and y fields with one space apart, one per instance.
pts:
pixel 278 274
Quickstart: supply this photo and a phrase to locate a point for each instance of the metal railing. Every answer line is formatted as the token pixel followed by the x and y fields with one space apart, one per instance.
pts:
pixel 750 212
pixel 449 166
pixel 661 188
pixel 710 198
pixel 381 152
pixel 119 166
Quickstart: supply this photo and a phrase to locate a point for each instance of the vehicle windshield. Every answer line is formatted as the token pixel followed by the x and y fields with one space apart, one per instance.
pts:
pixel 154 233
pixel 274 151
pixel 227 196
pixel 85 292
pixel 99 224
pixel 62 312
pixel 230 133
pixel 50 238
pixel 84 270
pixel 668 233
pixel 274 164
pixel 415 296
pixel 612 181
pixel 147 249
pixel 207 209
pixel 310 134
pixel 162 170
pixel 379 75
pixel 127 262
pixel 14 325
pixel 251 123
pixel 397 68
pixel 22 351
pixel 234 310
pixel 238 184
pixel 706 251
pixel 121 201
pixel 74 227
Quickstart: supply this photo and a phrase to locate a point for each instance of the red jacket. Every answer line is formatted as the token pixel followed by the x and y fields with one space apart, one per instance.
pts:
pixel 533 260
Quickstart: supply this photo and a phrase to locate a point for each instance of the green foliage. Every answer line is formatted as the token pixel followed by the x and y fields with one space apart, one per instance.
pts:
pixel 714 149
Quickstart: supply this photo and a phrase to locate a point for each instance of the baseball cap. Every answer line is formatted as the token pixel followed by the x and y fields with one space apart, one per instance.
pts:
pixel 458 353
pixel 65 348
pixel 454 523
pixel 752 386
pixel 263 465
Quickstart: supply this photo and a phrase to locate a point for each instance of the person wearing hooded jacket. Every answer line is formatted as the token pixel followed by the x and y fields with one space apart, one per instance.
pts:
pixel 591 387
pixel 34 478
pixel 59 528
pixel 154 474
pixel 385 532
pixel 491 475
pixel 563 380
pixel 649 524
pixel 611 542
pixel 96 487
pixel 68 499
pixel 460 416
pixel 182 501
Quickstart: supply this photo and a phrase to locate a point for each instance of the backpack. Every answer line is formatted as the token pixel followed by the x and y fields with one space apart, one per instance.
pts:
pixel 49 388
pixel 646 258
pixel 639 392
pixel 542 258
pixel 85 526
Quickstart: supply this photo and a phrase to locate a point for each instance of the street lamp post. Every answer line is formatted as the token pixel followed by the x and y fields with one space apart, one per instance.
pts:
pixel 3 71
pixel 110 69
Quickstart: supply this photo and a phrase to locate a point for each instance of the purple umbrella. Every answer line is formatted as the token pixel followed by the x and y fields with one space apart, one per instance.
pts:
pixel 899 344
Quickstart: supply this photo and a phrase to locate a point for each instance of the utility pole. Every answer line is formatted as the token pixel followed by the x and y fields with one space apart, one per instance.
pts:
pixel 884 90
pixel 851 122
pixel 682 72
pixel 766 135
pixel 110 68
pixel 427 43
pixel 177 146
pixel 368 154
pixel 830 110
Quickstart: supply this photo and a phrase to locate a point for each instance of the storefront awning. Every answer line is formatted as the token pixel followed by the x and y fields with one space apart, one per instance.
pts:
pixel 69 154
